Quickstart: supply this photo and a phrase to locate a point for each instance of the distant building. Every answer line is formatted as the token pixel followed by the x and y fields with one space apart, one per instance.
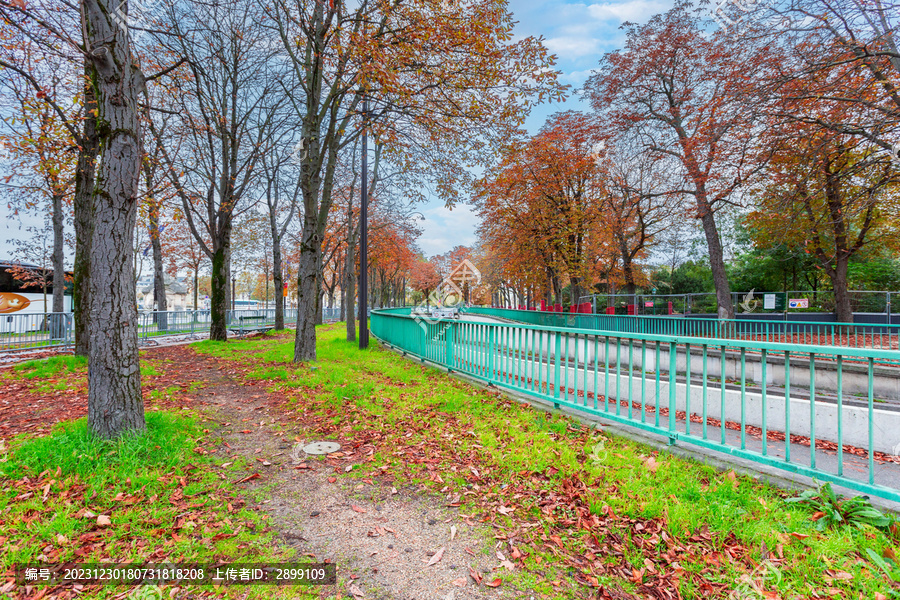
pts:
pixel 177 293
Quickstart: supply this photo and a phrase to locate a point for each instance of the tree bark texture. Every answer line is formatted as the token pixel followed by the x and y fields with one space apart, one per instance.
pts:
pixel 279 283
pixel 218 303
pixel 307 293
pixel 84 188
pixel 159 282
pixel 57 321
pixel 115 405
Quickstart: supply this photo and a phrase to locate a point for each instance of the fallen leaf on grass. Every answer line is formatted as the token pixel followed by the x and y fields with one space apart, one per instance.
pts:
pixel 495 583
pixel 332 479
pixel 358 509
pixel 248 478
pixel 799 536
pixel 503 510
pixel 452 532
pixel 475 575
pixel 355 591
pixel 651 464
pixel 246 431
pixel 437 557
pixel 461 582
pixel 103 521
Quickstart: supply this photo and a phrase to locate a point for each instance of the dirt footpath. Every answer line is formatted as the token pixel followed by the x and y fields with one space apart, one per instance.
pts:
pixel 387 543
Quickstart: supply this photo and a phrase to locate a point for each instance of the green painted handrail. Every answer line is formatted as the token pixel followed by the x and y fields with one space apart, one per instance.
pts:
pixel 557 364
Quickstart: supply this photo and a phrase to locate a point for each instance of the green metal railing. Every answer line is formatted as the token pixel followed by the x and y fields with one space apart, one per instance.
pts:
pixel 852 335
pixel 770 403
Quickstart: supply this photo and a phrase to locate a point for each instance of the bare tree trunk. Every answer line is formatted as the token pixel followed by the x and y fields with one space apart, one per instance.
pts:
pixel 196 286
pixel 114 377
pixel 716 259
pixel 159 282
pixel 307 292
pixel 218 302
pixel 350 285
pixel 84 213
pixel 57 321
pixel 279 283
pixel 843 311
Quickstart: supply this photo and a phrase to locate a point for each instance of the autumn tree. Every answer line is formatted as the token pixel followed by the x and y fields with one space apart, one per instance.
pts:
pixel 832 195
pixel 687 94
pixel 41 151
pixel 541 202
pixel 432 74
pixel 45 27
pixel 182 252
pixel 635 206
pixel 424 277
pixel 228 96
pixel 842 56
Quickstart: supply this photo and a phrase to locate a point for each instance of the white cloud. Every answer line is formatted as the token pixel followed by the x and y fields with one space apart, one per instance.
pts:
pixel 572 47
pixel 577 78
pixel 634 10
pixel 443 229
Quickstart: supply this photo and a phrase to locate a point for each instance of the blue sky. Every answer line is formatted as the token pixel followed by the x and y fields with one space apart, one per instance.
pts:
pixel 578 34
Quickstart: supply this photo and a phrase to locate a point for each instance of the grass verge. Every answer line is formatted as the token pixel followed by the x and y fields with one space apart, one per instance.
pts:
pixel 153 497
pixel 577 509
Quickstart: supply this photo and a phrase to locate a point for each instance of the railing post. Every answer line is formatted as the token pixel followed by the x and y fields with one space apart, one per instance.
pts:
pixel 448 355
pixel 490 350
pixel 672 389
pixel 556 366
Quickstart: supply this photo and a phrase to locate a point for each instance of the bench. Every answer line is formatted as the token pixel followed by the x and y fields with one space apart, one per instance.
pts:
pixel 250 324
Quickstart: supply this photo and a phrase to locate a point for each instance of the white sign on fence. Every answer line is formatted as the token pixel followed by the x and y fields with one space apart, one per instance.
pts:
pixel 769 301
pixel 798 303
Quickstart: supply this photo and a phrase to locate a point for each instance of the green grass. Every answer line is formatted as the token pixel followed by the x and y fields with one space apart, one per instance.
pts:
pixel 406 406
pixel 50 367
pixel 159 487
pixel 73 449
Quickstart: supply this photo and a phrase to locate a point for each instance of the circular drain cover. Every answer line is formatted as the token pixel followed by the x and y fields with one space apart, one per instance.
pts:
pixel 321 448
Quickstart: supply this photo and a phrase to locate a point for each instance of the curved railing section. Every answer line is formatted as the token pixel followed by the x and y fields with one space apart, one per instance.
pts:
pixel 827 412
